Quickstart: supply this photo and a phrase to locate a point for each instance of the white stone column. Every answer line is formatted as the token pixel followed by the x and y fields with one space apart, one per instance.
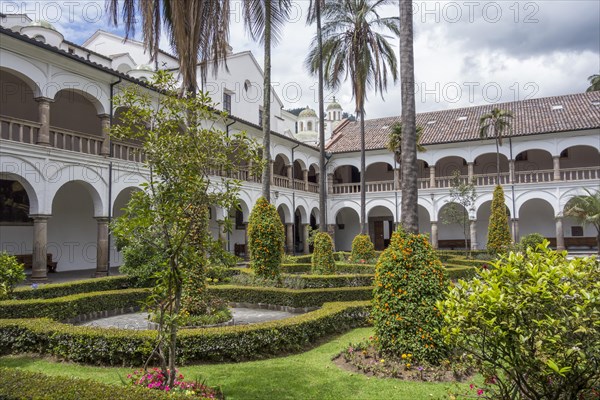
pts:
pixel 105 122
pixel 305 178
pixel 515 229
pixel 560 236
pixel 473 232
pixel 289 237
pixel 330 183
pixel 397 179
pixel 305 238
pixel 470 170
pixel 556 167
pixel 432 176
pixel 102 247
pixel 44 119
pixel 39 271
pixel 511 170
pixel 434 234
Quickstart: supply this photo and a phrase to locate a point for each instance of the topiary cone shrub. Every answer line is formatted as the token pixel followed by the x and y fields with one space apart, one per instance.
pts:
pixel 499 239
pixel 323 261
pixel 409 280
pixel 266 239
pixel 363 250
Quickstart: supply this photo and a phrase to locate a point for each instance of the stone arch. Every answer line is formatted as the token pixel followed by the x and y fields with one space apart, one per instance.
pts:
pixel 313 173
pixel 304 219
pixel 424 220
pixel 533 159
pixel 381 223
pixel 77 111
pixel 18 97
pixel 97 199
pixel 379 171
pixel 536 215
pixel 452 231
pixel 285 213
pixel 346 227
pixel 485 163
pixel 346 174
pixel 22 68
pixel 579 156
pixel 483 207
pixel 542 195
pixel 30 190
pixel 121 199
pixel 314 217
pixel 445 166
pixel 297 169
pixel 280 163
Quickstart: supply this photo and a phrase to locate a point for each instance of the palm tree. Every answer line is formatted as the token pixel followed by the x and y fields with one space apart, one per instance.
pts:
pixel 586 209
pixel 314 15
pixel 495 123
pixel 594 83
pixel 410 195
pixel 264 20
pixel 353 50
pixel 395 141
pixel 198 32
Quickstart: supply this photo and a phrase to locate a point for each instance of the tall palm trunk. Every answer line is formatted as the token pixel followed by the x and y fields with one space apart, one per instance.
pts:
pixel 410 215
pixel 363 191
pixel 266 114
pixel 323 172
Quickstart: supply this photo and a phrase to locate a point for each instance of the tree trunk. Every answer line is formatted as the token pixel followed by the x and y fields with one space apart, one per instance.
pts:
pixel 410 211
pixel 266 114
pixel 363 191
pixel 322 168
pixel 173 331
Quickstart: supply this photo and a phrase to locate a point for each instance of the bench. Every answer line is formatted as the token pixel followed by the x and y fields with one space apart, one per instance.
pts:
pixel 577 242
pixel 27 261
pixel 454 244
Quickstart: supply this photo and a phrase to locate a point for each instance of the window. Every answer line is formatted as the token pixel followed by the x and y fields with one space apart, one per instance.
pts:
pixel 309 126
pixel 577 231
pixel 40 38
pixel 227 102
pixel 260 116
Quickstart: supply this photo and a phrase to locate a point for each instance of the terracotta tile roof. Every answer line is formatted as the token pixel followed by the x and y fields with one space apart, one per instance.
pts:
pixel 535 116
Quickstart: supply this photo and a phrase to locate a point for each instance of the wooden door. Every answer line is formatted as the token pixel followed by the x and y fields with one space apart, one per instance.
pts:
pixel 379 242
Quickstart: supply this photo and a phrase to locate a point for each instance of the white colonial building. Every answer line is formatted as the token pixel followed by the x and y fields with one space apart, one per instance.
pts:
pixel 62 178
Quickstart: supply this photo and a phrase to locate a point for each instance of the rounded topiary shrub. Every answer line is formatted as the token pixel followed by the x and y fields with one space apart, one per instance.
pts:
pixel 266 239
pixel 409 280
pixel 363 250
pixel 11 274
pixel 499 239
pixel 323 261
pixel 533 240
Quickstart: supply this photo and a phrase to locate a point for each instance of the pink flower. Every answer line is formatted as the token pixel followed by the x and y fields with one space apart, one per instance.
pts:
pixel 479 392
pixel 471 386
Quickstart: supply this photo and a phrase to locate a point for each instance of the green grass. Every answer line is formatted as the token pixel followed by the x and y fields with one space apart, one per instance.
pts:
pixel 310 375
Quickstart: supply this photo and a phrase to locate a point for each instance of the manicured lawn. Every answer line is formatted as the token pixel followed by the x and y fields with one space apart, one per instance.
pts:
pixel 311 375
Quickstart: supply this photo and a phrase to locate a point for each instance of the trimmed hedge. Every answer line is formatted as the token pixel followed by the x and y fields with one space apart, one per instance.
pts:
pixel 18 384
pixel 63 308
pixel 460 272
pixel 340 267
pixel 54 290
pixel 290 297
pixel 296 281
pixel 128 347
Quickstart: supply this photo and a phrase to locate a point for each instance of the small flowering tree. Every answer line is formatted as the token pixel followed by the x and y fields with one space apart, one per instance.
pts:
pixel 323 261
pixel 11 274
pixel 182 148
pixel 266 240
pixel 363 250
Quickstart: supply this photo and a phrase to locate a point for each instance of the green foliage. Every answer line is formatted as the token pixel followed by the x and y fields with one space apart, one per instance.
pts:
pixel 499 239
pixel 67 307
pixel 395 141
pixel 409 281
pixel 17 384
pixel 101 346
pixel 586 210
pixel 12 273
pixel 363 250
pixel 530 241
pixel 340 267
pixel 52 290
pixel 462 203
pixel 295 281
pixel 141 262
pixel 266 239
pixel 531 324
pixel 322 258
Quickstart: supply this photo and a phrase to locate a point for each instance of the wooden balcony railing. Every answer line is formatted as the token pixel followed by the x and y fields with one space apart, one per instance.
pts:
pixel 299 184
pixel 313 187
pixel 66 139
pixel 281 181
pixel 18 130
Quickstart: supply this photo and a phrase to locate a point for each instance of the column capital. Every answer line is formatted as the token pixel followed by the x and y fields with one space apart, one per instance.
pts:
pixel 101 219
pixel 104 116
pixel 43 99
pixel 40 217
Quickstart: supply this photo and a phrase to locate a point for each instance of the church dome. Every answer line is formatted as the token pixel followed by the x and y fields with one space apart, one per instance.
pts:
pixel 334 106
pixel 44 24
pixel 308 112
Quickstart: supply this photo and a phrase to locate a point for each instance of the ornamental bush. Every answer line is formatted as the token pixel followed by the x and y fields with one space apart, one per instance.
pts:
pixel 266 239
pixel 322 258
pixel 531 325
pixel 11 274
pixel 363 250
pixel 409 280
pixel 532 240
pixel 499 239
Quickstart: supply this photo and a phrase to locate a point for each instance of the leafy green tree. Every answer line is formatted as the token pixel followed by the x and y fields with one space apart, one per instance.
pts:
pixel 323 261
pixel 12 272
pixel 495 124
pixel 353 50
pixel 463 196
pixel 586 209
pixel 499 238
pixel 409 280
pixel 594 83
pixel 266 239
pixel 410 196
pixel 529 325
pixel 170 214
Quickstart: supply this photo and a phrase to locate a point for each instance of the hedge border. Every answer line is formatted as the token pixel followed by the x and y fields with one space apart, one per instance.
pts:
pixel 300 281
pixel 53 290
pixel 103 346
pixel 18 384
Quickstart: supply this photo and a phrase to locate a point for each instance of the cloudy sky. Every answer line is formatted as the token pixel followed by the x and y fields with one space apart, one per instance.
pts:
pixel 466 52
